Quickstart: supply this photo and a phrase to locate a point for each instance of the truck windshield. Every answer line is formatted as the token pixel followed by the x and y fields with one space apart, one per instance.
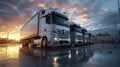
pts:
pixel 75 28
pixel 78 29
pixel 59 20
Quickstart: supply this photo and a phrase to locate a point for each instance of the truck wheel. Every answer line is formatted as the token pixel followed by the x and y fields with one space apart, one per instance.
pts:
pixel 44 42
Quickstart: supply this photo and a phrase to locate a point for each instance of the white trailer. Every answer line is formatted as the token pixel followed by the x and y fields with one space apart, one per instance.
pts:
pixel 48 27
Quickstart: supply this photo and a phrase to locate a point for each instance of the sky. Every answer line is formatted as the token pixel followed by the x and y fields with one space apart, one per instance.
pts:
pixel 97 16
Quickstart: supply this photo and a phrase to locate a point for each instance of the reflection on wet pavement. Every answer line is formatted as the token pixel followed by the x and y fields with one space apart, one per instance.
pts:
pixel 9 51
pixel 82 56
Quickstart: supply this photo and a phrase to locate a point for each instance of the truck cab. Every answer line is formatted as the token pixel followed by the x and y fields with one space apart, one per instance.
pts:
pixel 86 38
pixel 58 32
pixel 92 39
pixel 76 34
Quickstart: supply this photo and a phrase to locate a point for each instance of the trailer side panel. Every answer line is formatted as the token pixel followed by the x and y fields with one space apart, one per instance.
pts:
pixel 30 29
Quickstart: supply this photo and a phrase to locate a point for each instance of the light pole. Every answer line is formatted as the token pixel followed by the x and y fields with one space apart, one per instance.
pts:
pixel 116 32
pixel 119 7
pixel 117 37
pixel 119 13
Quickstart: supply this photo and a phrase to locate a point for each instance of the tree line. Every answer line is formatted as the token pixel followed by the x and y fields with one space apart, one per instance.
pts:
pixel 6 40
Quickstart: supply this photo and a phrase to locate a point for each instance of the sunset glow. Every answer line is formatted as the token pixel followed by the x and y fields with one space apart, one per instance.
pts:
pixel 74 8
pixel 31 0
pixel 13 36
pixel 83 17
pixel 85 8
pixel 41 5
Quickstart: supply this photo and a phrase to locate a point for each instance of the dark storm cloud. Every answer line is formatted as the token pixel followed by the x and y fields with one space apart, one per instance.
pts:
pixel 61 4
pixel 90 7
pixel 13 14
pixel 105 23
pixel 11 8
pixel 94 10
pixel 105 20
pixel 109 18
pixel 26 7
pixel 8 10
pixel 13 2
pixel 84 9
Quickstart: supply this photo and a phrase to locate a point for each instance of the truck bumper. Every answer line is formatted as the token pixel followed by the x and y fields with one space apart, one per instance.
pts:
pixel 61 42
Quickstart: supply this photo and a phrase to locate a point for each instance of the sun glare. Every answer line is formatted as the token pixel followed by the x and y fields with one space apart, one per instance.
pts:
pixel 14 37
pixel 10 36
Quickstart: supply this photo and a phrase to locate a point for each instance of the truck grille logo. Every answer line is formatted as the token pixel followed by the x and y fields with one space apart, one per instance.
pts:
pixel 63 34
pixel 63 31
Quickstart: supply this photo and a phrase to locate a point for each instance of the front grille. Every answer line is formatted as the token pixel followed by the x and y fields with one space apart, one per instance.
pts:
pixel 79 37
pixel 63 34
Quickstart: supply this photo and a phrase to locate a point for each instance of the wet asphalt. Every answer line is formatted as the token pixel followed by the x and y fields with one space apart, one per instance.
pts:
pixel 97 55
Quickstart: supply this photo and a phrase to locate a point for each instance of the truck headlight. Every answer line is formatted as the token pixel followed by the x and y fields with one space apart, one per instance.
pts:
pixel 76 40
pixel 55 38
pixel 69 40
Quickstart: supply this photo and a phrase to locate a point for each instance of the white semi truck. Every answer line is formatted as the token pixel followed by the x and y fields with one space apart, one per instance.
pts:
pixel 92 39
pixel 80 36
pixel 87 38
pixel 48 27
pixel 76 34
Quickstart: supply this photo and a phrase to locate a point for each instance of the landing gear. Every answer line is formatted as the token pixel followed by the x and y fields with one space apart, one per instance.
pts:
pixel 25 45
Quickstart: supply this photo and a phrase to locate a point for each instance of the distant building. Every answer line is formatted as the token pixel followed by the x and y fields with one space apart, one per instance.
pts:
pixel 103 38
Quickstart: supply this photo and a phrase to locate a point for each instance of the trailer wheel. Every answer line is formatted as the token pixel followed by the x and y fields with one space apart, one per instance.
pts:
pixel 25 44
pixel 33 45
pixel 44 42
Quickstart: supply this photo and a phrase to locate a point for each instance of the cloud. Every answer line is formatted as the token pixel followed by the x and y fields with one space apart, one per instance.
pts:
pixel 41 4
pixel 92 14
pixel 31 0
pixel 15 23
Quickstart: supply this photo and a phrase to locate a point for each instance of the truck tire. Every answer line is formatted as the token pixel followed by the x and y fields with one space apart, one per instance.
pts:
pixel 44 42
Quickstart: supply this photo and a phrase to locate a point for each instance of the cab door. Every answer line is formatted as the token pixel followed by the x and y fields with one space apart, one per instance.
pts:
pixel 46 26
